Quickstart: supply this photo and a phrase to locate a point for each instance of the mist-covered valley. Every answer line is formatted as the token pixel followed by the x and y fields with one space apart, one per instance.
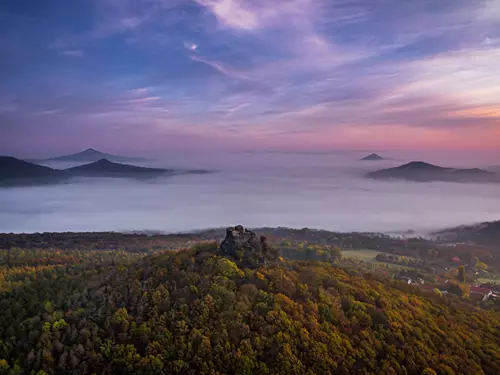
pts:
pixel 323 191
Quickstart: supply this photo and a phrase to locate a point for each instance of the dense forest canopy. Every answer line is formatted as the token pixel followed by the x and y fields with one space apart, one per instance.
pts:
pixel 239 308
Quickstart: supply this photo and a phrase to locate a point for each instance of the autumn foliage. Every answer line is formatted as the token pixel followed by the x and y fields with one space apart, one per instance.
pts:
pixel 198 312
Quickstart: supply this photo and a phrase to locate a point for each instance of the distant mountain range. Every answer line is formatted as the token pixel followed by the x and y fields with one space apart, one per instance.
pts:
pixel 425 172
pixel 372 157
pixel 19 172
pixel 90 155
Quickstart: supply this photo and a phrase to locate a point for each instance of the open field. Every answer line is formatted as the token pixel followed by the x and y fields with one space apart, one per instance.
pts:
pixel 368 256
pixel 494 279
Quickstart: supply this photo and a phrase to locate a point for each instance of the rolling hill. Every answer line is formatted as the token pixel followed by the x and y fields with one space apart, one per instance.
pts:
pixel 19 172
pixel 22 173
pixel 487 233
pixel 92 155
pixel 424 172
pixel 228 308
pixel 106 168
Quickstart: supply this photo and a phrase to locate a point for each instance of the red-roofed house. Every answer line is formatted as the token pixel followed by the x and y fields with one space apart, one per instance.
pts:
pixel 480 293
pixel 495 288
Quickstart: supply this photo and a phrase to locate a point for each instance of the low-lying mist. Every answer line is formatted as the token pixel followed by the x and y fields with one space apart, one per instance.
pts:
pixel 292 190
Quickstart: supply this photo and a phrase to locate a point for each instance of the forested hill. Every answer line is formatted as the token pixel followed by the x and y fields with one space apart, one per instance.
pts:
pixel 237 309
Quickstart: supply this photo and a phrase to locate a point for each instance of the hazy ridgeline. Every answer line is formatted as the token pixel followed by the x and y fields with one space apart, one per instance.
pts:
pixel 325 191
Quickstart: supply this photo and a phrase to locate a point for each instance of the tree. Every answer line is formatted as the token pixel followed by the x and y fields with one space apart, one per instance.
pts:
pixel 437 292
pixel 336 254
pixel 480 265
pixel 461 274
pixel 4 366
pixel 456 288
pixel 195 311
pixel 429 255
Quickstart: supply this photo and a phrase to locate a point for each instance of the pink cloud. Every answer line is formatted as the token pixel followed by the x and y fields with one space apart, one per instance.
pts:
pixel 144 100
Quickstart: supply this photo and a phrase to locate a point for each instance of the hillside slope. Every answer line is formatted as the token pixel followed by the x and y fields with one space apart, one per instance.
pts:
pixel 238 309
pixel 425 172
pixel 106 168
pixel 15 171
pixel 487 233
pixel 91 155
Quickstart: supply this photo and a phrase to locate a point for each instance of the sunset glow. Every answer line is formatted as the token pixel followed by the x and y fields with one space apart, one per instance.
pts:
pixel 233 74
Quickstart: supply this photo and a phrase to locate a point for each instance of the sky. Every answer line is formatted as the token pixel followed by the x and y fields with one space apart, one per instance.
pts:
pixel 143 76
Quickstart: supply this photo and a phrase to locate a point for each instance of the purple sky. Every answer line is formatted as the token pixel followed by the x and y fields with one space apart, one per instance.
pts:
pixel 145 76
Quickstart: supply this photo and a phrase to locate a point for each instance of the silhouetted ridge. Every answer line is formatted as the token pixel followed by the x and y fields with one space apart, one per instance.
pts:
pixel 19 172
pixel 106 168
pixel 423 172
pixel 16 171
pixel 91 151
pixel 92 155
pixel 104 162
pixel 420 165
pixel 486 233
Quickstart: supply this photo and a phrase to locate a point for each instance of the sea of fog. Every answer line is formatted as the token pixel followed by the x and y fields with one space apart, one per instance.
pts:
pixel 324 191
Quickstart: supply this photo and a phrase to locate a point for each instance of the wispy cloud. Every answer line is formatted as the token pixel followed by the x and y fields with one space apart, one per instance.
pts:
pixel 48 112
pixel 113 18
pixel 227 71
pixel 144 100
pixel 232 14
pixel 72 53
pixel 8 107
pixel 140 90
pixel 315 70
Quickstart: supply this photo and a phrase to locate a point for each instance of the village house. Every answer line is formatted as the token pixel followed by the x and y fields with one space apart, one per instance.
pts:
pixel 409 280
pixel 479 293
